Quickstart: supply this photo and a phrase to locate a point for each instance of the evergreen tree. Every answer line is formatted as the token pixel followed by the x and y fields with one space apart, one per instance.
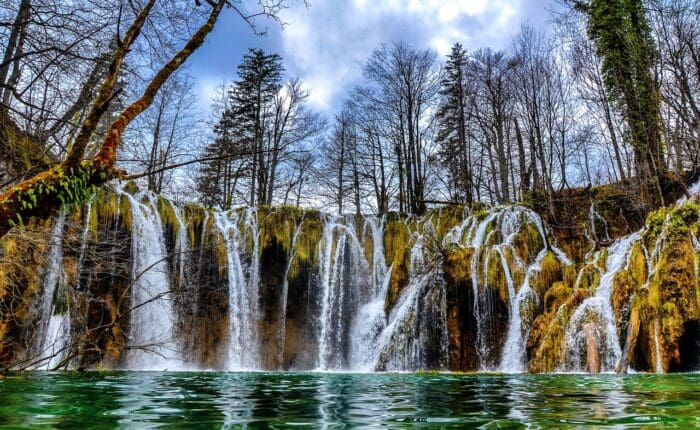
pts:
pixel 239 149
pixel 452 123
pixel 259 80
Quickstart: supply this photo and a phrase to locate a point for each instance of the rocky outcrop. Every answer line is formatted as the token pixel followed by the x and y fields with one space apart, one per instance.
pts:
pixel 284 288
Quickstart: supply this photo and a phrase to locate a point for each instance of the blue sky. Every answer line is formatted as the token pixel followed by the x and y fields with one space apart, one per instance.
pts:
pixel 327 43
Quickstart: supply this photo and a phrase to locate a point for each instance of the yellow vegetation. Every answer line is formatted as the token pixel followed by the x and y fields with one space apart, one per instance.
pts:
pixel 550 272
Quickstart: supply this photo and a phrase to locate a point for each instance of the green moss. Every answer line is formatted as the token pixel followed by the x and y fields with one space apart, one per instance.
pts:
pixel 676 221
pixel 673 293
pixel 218 246
pixel 588 278
pixel 479 210
pixel 547 341
pixel 528 242
pixel 556 295
pixel 125 215
pixel 457 264
pixel 105 208
pixel 517 269
pixel 446 219
pixel 397 250
pixel 550 271
pixel 637 265
pixel 306 246
pixel 167 216
pixel 624 286
pixel 496 276
pixel 193 217
pixel 570 275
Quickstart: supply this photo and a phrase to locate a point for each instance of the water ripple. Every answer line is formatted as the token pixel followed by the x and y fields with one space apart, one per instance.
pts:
pixel 337 400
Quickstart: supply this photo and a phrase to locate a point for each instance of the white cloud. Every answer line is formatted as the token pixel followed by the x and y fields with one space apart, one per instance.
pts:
pixel 328 43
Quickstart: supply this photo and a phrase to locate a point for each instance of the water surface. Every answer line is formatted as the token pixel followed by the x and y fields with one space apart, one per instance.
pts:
pixel 338 400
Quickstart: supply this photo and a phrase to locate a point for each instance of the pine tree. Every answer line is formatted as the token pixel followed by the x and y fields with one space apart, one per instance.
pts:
pixel 452 121
pixel 238 149
pixel 259 80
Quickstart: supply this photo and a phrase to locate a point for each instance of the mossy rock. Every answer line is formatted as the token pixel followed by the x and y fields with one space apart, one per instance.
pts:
pixel 551 271
pixel 447 218
pixel 495 276
pixel 528 242
pixel 458 264
pixel 306 246
pixel 676 221
pixel 570 275
pixel 674 293
pixel 397 245
pixel 637 265
pixel 546 343
pixel 555 296
pixel 624 288
pixel 168 218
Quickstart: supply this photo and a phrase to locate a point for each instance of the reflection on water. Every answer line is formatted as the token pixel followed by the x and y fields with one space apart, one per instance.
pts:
pixel 333 400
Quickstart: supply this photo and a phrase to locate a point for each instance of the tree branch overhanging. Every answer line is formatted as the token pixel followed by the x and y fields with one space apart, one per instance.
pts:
pixel 73 181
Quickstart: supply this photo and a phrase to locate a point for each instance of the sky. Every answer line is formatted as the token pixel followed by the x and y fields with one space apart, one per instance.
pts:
pixel 327 43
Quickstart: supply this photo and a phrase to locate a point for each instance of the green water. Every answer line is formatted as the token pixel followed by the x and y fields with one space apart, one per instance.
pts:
pixel 318 400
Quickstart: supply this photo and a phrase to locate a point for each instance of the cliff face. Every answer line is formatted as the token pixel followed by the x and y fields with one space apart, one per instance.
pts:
pixel 134 281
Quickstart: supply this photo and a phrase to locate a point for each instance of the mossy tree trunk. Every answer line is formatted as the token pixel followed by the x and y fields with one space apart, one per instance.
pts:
pixel 72 181
pixel 623 38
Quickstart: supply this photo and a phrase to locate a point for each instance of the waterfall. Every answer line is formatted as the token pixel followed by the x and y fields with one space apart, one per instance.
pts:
pixel 415 335
pixel 658 364
pixel 152 342
pixel 181 244
pixel 331 296
pixel 346 285
pixel 477 242
pixel 284 298
pixel 597 310
pixel 243 286
pixel 370 320
pixel 463 295
pixel 379 267
pixel 513 357
pixel 369 324
pixel 507 221
pixel 53 328
pixel 594 218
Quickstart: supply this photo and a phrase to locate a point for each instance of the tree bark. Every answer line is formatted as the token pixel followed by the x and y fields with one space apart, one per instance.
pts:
pixel 67 184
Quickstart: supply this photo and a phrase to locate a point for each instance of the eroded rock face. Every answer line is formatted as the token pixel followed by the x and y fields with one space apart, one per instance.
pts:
pixel 283 288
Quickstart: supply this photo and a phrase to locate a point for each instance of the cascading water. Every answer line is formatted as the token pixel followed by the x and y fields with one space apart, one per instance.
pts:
pixel 597 223
pixel 344 275
pixel 243 286
pixel 153 346
pixel 477 241
pixel 284 298
pixel 469 295
pixel 53 329
pixel 513 357
pixel 594 316
pixel 379 267
pixel 507 221
pixel 371 318
pixel 415 336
